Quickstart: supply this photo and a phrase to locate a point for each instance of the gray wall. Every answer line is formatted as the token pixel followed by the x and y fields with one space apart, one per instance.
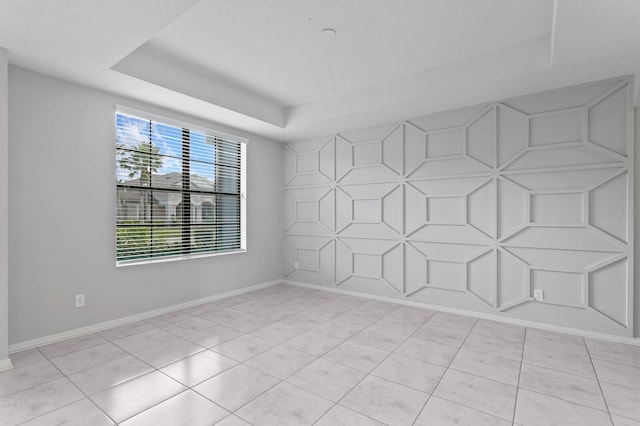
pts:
pixel 476 208
pixel 4 149
pixel 61 215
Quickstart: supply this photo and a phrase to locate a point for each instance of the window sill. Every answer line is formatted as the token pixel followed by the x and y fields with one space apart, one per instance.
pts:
pixel 175 258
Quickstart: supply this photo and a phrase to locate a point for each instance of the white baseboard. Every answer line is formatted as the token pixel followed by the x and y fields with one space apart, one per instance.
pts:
pixel 509 320
pixel 5 364
pixel 54 338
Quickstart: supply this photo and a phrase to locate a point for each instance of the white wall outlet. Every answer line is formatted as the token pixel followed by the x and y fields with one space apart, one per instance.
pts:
pixel 79 300
pixel 296 264
pixel 538 295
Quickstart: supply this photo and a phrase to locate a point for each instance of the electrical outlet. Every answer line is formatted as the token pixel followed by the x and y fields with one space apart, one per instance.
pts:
pixel 296 264
pixel 79 300
pixel 538 295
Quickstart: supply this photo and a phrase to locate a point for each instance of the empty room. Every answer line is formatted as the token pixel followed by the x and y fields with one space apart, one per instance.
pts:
pixel 331 213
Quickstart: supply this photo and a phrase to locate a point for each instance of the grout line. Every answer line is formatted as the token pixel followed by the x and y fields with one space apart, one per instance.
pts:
pixel 445 372
pixel 553 348
pixel 75 350
pixel 566 400
pixel 515 401
pixel 604 399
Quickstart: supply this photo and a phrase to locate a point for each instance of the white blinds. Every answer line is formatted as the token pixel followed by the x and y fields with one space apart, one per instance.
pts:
pixel 179 191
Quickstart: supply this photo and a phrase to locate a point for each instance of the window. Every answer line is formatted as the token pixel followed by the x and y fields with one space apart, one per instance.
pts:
pixel 180 190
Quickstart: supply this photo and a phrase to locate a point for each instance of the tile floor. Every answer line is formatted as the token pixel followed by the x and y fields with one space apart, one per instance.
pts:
pixel 294 356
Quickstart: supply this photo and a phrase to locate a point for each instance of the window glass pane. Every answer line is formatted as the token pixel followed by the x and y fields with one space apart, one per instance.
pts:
pixel 202 147
pixel 132 206
pixel 227 180
pixel 167 139
pixel 166 240
pixel 136 167
pixel 203 238
pixel 228 207
pixel 131 131
pixel 228 153
pixel 203 208
pixel 133 241
pixel 202 176
pixel 168 175
pixel 228 236
pixel 125 173
pixel 147 206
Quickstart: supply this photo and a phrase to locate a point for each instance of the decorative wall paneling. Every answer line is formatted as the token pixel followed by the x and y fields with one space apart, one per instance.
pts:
pixel 476 208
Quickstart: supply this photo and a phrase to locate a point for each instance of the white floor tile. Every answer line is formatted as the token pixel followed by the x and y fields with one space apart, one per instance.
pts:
pixel 280 361
pixel 185 409
pixel 81 413
pixel 562 385
pixel 426 350
pixel 568 362
pixel 534 409
pixel 313 343
pixel 488 366
pixel 197 368
pixel 622 401
pixel 489 396
pixel 105 376
pixel 411 372
pixel 356 356
pixel 244 347
pixel 87 358
pixel 341 416
pixel 385 401
pixel 284 405
pixel 442 412
pixel 236 386
pixel 67 346
pixel 327 379
pixel 21 378
pixel 36 401
pixel 135 396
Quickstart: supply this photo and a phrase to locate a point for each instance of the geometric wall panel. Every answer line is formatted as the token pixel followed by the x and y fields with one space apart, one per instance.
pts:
pixel 608 121
pixel 363 210
pixel 607 288
pixel 560 287
pixel 308 211
pixel 610 203
pixel 557 207
pixel 556 128
pixel 314 255
pixel 305 166
pixel 479 273
pixel 476 208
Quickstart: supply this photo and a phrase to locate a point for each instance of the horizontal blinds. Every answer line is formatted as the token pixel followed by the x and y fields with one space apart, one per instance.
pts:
pixel 179 191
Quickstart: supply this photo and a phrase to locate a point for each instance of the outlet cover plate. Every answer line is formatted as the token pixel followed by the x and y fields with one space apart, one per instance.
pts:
pixel 538 295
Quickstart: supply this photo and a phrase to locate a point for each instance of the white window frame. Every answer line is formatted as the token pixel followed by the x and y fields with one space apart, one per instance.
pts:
pixel 145 115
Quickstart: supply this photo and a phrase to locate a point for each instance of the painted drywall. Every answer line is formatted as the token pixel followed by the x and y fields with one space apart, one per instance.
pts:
pixel 4 193
pixel 476 208
pixel 62 206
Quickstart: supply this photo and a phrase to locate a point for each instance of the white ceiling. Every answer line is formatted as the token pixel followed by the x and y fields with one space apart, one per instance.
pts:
pixel 274 47
pixel 262 66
